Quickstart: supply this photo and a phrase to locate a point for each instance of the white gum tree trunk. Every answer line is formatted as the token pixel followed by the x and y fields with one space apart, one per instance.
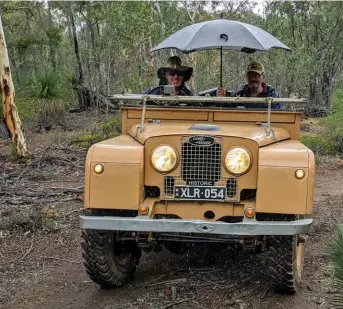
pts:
pixel 10 112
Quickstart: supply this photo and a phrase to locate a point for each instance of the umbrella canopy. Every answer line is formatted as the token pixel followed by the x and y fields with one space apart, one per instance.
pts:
pixel 221 33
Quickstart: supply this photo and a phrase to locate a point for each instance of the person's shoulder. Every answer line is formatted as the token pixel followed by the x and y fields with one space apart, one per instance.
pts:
pixel 242 92
pixel 271 92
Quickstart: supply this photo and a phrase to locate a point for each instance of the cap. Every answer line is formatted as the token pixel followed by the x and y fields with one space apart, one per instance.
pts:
pixel 256 67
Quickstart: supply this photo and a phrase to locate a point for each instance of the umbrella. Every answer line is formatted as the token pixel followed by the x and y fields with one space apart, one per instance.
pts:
pixel 221 34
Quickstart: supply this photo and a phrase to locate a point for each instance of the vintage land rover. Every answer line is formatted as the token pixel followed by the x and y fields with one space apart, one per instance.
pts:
pixel 198 172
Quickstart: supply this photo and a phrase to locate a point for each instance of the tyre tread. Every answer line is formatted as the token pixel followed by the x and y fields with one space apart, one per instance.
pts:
pixel 99 265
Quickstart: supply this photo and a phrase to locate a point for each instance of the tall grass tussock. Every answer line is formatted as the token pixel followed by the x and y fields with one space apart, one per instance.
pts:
pixel 335 254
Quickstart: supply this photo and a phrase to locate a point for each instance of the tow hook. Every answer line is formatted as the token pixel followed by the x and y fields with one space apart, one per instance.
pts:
pixel 301 239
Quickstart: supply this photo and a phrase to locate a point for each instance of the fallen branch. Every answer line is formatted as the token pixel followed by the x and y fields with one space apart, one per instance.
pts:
pixel 44 153
pixel 28 251
pixel 58 259
pixel 177 303
pixel 182 280
pixel 74 190
pixel 153 281
pixel 70 212
pixel 25 170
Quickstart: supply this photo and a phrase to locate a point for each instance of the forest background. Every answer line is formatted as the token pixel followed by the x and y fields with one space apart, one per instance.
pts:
pixel 101 48
pixel 70 55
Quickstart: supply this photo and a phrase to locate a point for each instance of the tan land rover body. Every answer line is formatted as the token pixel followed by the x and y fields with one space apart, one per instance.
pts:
pixel 183 175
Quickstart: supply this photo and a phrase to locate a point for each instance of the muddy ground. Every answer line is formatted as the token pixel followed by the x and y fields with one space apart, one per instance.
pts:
pixel 40 257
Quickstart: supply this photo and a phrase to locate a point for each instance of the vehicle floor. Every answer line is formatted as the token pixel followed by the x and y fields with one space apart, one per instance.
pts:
pixel 41 268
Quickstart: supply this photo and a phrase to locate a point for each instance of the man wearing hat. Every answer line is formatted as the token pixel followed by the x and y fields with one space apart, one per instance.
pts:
pixel 256 87
pixel 173 74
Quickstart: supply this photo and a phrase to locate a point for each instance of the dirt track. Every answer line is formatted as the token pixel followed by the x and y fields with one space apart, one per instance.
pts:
pixel 43 270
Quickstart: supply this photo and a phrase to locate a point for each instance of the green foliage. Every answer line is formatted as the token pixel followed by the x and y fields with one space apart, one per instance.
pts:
pixel 106 130
pixel 320 144
pixel 336 258
pixel 115 39
pixel 45 85
pixel 328 140
pixel 334 122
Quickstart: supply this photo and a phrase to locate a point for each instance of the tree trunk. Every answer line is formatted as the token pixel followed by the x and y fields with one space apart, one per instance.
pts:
pixel 10 112
pixel 52 51
pixel 76 45
pixel 82 92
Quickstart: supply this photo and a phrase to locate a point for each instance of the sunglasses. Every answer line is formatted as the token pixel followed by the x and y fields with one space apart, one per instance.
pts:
pixel 178 73
pixel 254 74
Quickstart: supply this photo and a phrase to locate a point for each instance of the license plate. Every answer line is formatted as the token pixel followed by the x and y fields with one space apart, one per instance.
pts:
pixel 200 193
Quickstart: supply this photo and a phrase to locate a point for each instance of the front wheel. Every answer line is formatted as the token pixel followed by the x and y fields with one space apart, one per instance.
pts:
pixel 109 262
pixel 286 257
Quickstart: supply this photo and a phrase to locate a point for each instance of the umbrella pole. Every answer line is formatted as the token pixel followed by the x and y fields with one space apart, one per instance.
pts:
pixel 221 67
pixel 221 60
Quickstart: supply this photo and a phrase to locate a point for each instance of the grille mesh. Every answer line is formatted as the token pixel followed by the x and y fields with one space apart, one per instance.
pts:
pixel 231 186
pixel 169 183
pixel 201 162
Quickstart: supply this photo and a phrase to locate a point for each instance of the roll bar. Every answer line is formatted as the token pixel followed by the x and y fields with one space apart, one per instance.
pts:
pixel 202 99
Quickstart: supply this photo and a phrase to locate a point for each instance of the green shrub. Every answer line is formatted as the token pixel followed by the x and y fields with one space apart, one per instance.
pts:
pixel 46 86
pixel 106 130
pixel 334 122
pixel 320 144
pixel 336 258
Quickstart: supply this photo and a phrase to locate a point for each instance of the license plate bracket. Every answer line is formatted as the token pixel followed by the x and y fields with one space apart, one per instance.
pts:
pixel 200 193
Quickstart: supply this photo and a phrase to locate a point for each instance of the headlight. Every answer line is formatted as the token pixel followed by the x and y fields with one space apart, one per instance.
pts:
pixel 164 159
pixel 237 161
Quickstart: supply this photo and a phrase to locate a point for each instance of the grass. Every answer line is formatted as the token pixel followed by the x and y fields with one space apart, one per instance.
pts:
pixel 320 144
pixel 334 122
pixel 325 136
pixel 336 258
pixel 50 111
pixel 106 130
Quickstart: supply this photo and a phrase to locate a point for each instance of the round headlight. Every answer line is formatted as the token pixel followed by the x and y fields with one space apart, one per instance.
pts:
pixel 164 159
pixel 237 161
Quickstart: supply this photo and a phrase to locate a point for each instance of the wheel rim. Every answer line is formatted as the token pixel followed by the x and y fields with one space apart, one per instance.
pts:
pixel 121 254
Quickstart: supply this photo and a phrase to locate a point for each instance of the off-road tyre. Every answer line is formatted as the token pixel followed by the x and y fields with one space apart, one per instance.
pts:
pixel 285 263
pixel 102 260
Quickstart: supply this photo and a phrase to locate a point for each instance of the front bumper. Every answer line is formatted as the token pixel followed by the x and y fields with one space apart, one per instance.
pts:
pixel 245 228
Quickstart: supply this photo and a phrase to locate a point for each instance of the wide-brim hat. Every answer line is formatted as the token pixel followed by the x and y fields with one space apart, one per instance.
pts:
pixel 174 63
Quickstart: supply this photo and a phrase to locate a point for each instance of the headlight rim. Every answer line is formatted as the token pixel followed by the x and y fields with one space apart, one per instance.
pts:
pixel 176 164
pixel 250 165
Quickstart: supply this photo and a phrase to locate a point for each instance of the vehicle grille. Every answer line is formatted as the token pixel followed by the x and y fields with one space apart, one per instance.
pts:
pixel 231 186
pixel 201 162
pixel 169 183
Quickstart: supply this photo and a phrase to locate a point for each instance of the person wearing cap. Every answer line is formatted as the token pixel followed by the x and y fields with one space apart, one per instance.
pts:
pixel 256 87
pixel 174 74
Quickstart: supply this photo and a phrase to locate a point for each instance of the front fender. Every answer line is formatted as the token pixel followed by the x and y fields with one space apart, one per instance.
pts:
pixel 278 190
pixel 121 185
